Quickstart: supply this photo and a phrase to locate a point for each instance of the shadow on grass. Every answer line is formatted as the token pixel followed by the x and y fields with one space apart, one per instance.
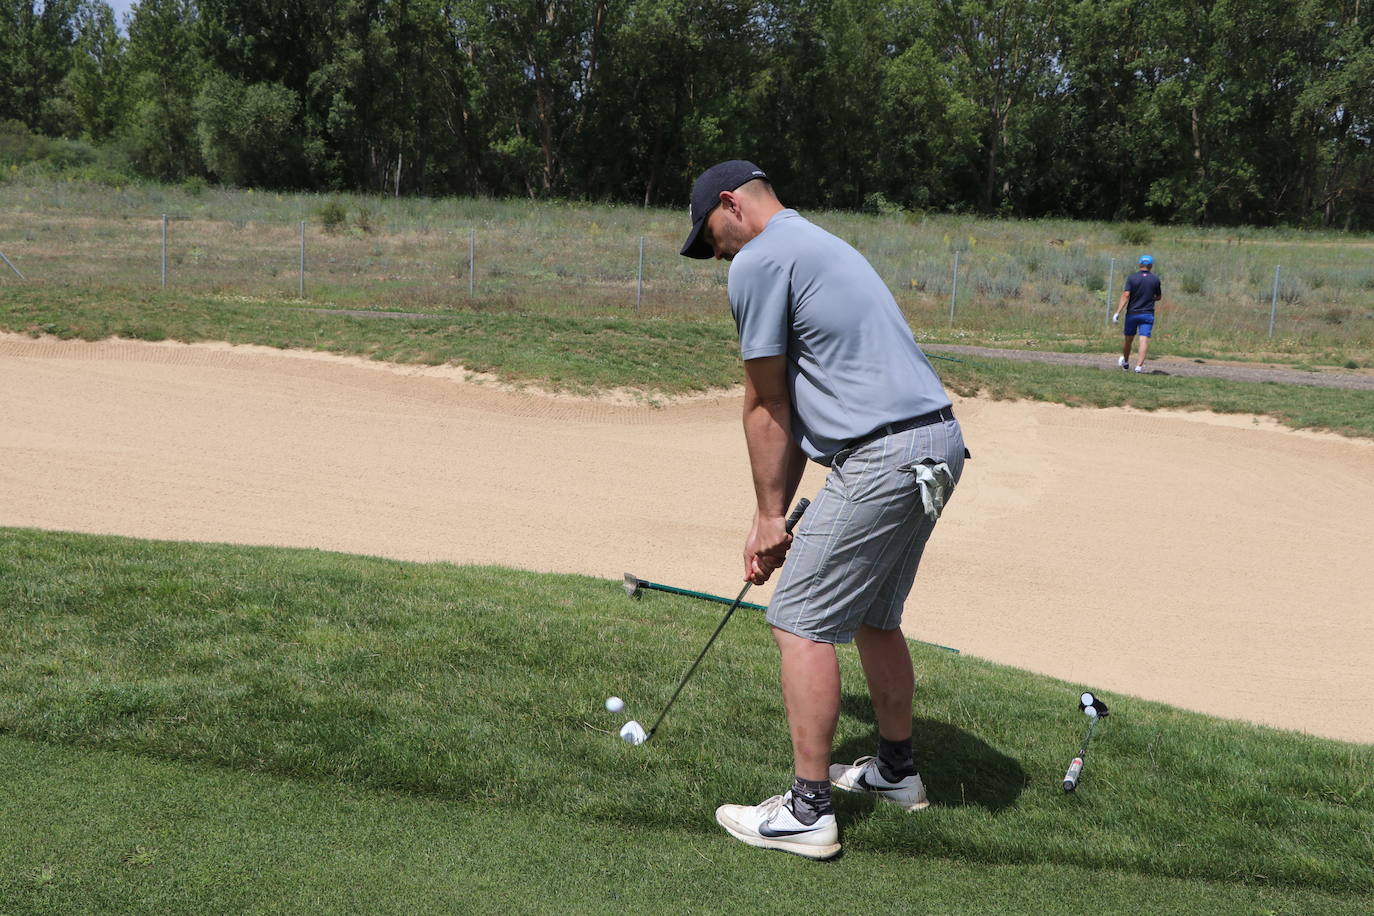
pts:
pixel 959 769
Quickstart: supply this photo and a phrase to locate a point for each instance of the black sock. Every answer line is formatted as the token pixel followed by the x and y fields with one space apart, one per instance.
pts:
pixel 894 759
pixel 810 799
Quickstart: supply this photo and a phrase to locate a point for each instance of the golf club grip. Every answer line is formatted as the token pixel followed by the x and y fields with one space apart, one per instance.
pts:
pixel 797 513
pixel 1071 777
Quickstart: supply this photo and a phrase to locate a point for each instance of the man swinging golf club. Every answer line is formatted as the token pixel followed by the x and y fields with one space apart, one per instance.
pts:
pixel 833 374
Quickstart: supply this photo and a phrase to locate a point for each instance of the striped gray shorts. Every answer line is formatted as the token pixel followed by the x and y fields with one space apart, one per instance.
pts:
pixel 854 555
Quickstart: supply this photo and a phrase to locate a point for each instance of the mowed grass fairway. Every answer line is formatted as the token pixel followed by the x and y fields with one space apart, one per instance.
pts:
pixel 202 728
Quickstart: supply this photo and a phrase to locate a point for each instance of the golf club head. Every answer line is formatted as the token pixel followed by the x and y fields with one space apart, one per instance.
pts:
pixel 1090 702
pixel 633 733
pixel 631 586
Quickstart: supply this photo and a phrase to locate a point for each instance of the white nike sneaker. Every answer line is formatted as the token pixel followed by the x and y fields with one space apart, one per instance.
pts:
pixel 771 825
pixel 863 776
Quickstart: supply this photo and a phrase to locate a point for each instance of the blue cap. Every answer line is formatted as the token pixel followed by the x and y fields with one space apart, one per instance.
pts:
pixel 1146 261
pixel 724 176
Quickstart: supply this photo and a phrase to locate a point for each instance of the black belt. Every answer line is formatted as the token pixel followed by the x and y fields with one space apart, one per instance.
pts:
pixel 944 414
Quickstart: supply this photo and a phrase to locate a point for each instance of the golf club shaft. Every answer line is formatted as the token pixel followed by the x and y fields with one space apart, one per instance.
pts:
pixel 707 596
pixel 686 677
pixel 791 522
pixel 704 596
pixel 1076 768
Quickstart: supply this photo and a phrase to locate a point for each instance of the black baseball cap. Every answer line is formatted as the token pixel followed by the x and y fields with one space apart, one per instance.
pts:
pixel 724 176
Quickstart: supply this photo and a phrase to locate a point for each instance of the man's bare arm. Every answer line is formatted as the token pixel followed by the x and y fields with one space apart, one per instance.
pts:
pixel 775 461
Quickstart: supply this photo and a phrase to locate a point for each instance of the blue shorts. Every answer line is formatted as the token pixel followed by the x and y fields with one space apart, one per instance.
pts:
pixel 1141 324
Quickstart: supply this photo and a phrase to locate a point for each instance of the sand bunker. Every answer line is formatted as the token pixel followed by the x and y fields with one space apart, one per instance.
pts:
pixel 1216 563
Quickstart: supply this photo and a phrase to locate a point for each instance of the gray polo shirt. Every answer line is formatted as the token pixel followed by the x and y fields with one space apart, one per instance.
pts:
pixel 852 362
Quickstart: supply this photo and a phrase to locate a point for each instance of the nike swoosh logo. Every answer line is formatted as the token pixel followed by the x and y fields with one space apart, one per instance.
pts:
pixel 765 830
pixel 869 787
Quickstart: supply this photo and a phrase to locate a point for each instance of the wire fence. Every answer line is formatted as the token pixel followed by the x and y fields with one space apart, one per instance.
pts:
pixel 947 274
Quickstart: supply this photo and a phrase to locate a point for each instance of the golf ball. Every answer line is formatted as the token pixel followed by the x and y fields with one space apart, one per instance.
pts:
pixel 614 704
pixel 1090 712
pixel 1086 699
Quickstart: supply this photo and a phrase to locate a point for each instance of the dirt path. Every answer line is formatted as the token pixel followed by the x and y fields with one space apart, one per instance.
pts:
pixel 1354 379
pixel 1217 563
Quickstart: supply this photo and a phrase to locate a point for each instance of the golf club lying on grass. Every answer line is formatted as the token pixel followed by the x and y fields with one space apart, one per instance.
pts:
pixel 632 732
pixel 1095 710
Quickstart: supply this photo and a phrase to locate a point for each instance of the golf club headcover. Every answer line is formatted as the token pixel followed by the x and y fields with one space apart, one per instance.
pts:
pixel 1095 702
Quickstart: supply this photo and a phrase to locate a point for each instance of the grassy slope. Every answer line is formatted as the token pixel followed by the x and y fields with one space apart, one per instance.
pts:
pixel 111 832
pixel 670 355
pixel 475 695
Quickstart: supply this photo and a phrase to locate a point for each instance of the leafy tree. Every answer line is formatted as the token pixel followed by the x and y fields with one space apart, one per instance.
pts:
pixel 35 54
pixel 246 131
pixel 1005 55
pixel 165 72
pixel 97 82
pixel 1335 114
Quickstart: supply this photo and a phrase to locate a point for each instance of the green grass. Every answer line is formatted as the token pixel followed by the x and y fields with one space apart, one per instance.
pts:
pixel 670 355
pixel 291 729
pixel 664 355
pixel 1045 280
pixel 1349 412
pixel 110 832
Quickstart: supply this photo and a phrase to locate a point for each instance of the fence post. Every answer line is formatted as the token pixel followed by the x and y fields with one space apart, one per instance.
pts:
pixel 164 251
pixel 11 265
pixel 954 287
pixel 302 285
pixel 1274 302
pixel 1111 281
pixel 639 285
pixel 472 261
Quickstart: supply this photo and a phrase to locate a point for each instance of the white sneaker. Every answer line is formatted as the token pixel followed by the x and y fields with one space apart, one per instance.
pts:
pixel 863 776
pixel 1140 368
pixel 771 825
pixel 1121 362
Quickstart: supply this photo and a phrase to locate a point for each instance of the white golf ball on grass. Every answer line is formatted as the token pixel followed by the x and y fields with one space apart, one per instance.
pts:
pixel 633 733
pixel 614 704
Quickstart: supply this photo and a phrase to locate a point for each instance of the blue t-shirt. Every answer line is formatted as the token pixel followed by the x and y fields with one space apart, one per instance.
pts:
pixel 1145 290
pixel 852 362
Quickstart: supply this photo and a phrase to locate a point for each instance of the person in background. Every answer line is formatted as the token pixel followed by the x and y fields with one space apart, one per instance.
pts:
pixel 1138 299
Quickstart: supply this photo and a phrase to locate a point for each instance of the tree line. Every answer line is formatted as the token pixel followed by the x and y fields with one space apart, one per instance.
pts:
pixel 1204 111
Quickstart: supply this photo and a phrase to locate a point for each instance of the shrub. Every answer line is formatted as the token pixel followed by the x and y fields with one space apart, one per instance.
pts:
pixel 1192 284
pixel 878 203
pixel 18 145
pixel 1004 281
pixel 195 185
pixel 364 219
pixel 1292 291
pixel 99 174
pixel 333 215
pixel 1134 234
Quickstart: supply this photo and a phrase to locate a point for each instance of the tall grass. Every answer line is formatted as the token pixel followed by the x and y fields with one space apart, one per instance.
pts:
pixel 1043 282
